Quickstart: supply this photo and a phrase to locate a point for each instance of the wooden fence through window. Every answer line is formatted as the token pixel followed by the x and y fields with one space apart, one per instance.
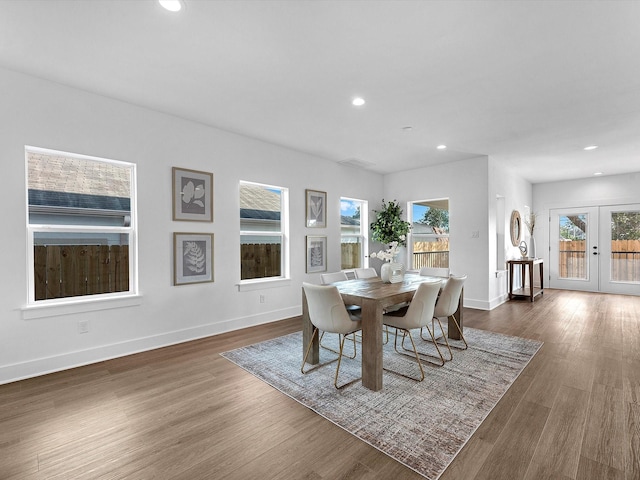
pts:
pixel 260 260
pixel 75 270
pixel 350 255
pixel 625 260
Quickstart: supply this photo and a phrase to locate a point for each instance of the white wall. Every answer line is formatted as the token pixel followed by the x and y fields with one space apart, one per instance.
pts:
pixel 515 193
pixel 595 191
pixel 465 184
pixel 49 115
pixel 472 187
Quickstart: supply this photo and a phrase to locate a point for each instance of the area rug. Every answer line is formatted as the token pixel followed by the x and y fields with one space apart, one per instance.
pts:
pixel 424 424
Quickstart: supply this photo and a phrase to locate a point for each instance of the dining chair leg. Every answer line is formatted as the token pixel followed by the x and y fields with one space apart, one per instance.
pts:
pixel 304 360
pixel 336 351
pixel 335 380
pixel 447 344
pixel 466 345
pixel 415 353
pixel 436 344
pixel 446 341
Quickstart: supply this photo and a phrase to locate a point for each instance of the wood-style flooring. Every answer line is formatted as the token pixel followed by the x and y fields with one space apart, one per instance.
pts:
pixel 184 412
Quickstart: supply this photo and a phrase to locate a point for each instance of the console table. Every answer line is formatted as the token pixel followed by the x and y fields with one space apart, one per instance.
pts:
pixel 526 263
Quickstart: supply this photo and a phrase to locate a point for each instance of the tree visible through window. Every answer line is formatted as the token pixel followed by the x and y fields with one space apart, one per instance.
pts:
pixel 81 225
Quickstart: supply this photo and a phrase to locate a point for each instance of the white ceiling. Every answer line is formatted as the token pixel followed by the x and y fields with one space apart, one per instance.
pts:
pixel 530 83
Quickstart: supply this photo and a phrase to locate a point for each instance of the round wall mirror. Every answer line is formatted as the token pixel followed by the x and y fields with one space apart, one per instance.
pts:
pixel 516 228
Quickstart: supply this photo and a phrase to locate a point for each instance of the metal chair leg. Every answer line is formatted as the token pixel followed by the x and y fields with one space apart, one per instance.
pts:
pixel 335 380
pixel 466 345
pixel 339 360
pixel 336 351
pixel 415 352
pixel 436 344
pixel 304 360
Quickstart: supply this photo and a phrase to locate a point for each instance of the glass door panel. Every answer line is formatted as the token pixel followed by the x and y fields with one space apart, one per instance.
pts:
pixel 620 253
pixel 573 252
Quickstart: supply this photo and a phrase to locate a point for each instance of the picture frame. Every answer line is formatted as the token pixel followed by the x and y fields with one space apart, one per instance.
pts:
pixel 316 253
pixel 316 208
pixel 192 258
pixel 192 195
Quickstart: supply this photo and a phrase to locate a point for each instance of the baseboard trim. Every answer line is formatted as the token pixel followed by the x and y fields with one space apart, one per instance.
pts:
pixel 66 361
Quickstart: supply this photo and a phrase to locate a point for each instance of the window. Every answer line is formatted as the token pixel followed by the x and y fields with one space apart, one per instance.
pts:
pixel 81 226
pixel 263 231
pixel 353 238
pixel 430 233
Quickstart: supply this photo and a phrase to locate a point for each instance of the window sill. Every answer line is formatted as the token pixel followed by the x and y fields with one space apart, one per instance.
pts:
pixel 66 307
pixel 259 284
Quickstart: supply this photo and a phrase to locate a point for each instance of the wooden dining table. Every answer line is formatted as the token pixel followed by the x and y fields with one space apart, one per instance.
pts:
pixel 372 296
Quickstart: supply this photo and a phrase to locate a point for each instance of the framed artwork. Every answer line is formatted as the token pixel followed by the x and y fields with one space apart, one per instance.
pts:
pixel 192 258
pixel 192 195
pixel 316 208
pixel 316 254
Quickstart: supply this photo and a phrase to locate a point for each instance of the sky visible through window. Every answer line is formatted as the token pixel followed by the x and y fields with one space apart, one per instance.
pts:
pixel 418 212
pixel 348 207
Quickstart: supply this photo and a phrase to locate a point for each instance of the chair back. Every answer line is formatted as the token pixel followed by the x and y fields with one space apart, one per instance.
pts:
pixel 366 272
pixel 449 297
pixel 327 278
pixel 327 311
pixel 420 311
pixel 434 272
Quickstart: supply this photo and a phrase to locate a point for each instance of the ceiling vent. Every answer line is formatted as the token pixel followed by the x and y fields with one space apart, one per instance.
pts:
pixel 355 162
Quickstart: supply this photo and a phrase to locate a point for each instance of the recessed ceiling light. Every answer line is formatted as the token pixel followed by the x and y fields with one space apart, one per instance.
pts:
pixel 171 5
pixel 597 173
pixel 357 102
pixel 591 147
pixel 441 147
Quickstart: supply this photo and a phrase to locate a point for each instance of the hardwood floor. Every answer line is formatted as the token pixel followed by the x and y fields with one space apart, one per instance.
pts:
pixel 184 412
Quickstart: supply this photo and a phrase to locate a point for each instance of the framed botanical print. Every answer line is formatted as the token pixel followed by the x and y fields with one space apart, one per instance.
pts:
pixel 316 254
pixel 316 208
pixel 192 258
pixel 192 195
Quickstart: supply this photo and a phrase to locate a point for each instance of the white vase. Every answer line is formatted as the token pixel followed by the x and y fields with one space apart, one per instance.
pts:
pixel 392 272
pixel 532 247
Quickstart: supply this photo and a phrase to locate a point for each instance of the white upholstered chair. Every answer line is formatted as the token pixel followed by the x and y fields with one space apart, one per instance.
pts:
pixel 328 313
pixel 326 279
pixel 333 277
pixel 366 272
pixel 418 315
pixel 446 307
pixel 434 272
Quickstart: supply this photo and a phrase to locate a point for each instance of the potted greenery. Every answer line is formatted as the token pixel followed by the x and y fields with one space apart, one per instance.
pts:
pixel 389 228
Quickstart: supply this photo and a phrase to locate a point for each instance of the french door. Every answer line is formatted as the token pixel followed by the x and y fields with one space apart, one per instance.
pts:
pixel 595 249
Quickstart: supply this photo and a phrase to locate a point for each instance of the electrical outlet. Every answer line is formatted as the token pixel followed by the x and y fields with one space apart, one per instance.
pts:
pixel 475 234
pixel 262 299
pixel 83 326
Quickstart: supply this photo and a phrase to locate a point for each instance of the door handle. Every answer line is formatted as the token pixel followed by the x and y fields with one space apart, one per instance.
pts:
pixel 596 253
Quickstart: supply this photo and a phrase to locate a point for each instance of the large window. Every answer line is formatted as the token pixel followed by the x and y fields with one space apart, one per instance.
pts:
pixel 430 233
pixel 81 226
pixel 353 232
pixel 263 231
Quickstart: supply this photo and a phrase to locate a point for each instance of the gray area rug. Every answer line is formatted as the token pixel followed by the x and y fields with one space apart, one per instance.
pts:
pixel 423 425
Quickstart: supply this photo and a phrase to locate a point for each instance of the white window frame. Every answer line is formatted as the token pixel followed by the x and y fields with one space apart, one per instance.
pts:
pixel 364 230
pixel 93 302
pixel 284 278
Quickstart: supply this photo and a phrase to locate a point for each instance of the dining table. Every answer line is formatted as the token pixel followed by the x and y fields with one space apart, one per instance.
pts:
pixel 373 296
